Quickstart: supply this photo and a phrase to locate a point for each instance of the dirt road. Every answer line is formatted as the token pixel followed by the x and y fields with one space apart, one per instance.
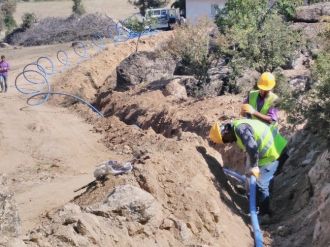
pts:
pixel 117 9
pixel 46 151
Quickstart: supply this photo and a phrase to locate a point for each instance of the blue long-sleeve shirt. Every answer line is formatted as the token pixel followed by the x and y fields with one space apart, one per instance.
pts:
pixel 245 133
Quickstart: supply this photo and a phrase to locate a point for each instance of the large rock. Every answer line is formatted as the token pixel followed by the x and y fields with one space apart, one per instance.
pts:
pixel 248 80
pixel 175 89
pixel 198 89
pixel 132 203
pixel 144 67
pixel 312 13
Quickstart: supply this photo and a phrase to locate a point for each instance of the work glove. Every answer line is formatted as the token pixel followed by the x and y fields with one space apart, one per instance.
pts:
pixel 247 109
pixel 255 171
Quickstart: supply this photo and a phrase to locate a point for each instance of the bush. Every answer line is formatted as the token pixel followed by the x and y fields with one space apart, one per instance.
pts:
pixel 137 26
pixel 78 8
pixel 7 8
pixel 28 20
pixel 313 107
pixel 190 45
pixel 57 30
pixel 287 8
pixel 256 37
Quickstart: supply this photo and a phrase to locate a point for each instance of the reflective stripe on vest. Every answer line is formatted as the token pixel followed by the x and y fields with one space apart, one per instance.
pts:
pixel 269 101
pixel 270 142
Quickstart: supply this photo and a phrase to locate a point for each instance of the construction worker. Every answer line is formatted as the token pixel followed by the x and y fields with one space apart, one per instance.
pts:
pixel 260 103
pixel 263 144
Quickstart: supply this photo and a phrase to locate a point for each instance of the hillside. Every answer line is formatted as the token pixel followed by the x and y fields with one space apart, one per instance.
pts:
pixel 177 193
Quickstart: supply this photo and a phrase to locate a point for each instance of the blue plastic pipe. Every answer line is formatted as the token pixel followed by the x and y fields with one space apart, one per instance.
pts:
pixel 252 202
pixel 253 213
pixel 240 178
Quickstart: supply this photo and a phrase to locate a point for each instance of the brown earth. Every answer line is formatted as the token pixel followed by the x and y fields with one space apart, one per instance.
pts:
pixel 173 163
pixel 116 9
pixel 48 152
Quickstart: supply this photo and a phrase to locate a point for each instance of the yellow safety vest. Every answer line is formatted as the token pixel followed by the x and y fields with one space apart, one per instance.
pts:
pixel 270 142
pixel 269 101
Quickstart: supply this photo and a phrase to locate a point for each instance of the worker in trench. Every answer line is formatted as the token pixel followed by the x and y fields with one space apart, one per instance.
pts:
pixel 260 104
pixel 263 145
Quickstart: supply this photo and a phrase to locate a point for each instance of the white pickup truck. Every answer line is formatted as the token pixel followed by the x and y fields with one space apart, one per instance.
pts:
pixel 164 18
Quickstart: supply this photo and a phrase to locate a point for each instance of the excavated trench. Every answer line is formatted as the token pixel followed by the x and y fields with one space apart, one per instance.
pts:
pixel 296 193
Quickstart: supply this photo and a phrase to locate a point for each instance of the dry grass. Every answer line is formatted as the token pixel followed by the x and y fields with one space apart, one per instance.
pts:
pixel 117 9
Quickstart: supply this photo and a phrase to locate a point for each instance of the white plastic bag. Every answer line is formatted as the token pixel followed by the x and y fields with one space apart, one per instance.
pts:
pixel 112 167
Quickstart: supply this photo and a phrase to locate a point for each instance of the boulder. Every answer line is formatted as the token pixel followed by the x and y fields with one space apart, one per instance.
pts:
pixel 144 67
pixel 312 13
pixel 197 89
pixel 176 89
pixel 131 204
pixel 248 80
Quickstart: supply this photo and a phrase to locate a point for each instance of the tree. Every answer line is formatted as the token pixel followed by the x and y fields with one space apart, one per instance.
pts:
pixel 137 27
pixel 257 36
pixel 146 4
pixel 78 7
pixel 28 20
pixel 190 45
pixel 7 9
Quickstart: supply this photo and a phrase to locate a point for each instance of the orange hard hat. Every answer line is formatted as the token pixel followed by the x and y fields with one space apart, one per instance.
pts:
pixel 266 81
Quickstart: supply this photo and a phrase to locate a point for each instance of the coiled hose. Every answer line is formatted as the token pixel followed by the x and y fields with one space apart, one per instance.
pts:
pixel 36 76
pixel 252 203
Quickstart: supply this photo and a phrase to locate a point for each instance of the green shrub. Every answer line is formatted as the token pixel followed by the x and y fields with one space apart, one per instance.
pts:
pixel 28 20
pixel 287 8
pixel 10 22
pixel 78 7
pixel 138 26
pixel 255 36
pixel 313 106
pixel 7 9
pixel 190 45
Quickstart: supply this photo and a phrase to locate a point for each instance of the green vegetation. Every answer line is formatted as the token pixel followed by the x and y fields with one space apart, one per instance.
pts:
pixel 138 26
pixel 28 19
pixel 313 105
pixel 7 9
pixel 78 7
pixel 256 37
pixel 190 45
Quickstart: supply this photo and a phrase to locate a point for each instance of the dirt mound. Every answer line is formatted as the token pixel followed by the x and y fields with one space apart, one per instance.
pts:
pixel 301 195
pixel 194 203
pixel 53 30
pixel 99 73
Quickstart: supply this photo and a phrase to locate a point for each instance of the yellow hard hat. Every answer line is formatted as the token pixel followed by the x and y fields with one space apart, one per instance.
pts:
pixel 215 134
pixel 266 81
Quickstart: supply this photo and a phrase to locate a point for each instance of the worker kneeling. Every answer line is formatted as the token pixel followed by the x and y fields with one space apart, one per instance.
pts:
pixel 263 144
